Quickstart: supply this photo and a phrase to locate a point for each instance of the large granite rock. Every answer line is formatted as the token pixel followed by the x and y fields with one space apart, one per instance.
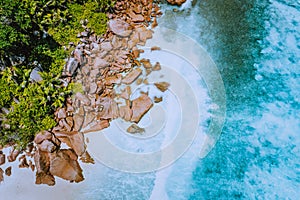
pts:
pixel 119 27
pixel 46 141
pixel 64 164
pixel 140 107
pixel 110 108
pixel 74 140
pixel 42 163
pixel 83 98
pixel 97 126
pixel 125 112
pixel 132 76
pixel 41 136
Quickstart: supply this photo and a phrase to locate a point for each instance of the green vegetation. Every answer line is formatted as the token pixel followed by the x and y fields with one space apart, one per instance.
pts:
pixel 37 30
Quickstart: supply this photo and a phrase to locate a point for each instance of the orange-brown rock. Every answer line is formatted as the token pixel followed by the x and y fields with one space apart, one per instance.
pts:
pixel 78 144
pixel 135 17
pixel 146 2
pixel 88 118
pixel 70 109
pixel 125 112
pixel 43 178
pixel 31 165
pixel 41 136
pixel 146 81
pixel 2 158
pixel 42 163
pixel 110 108
pixel 120 27
pixel 126 93
pixel 156 67
pixel 100 63
pixel 23 162
pixel 49 145
pixel 116 79
pixel 61 114
pixel 176 2
pixel 55 140
pixel 8 171
pixel 13 155
pixel 138 9
pixel 116 42
pixel 154 23
pixel 95 71
pixel 134 39
pixel 140 107
pixel 64 164
pixel 86 158
pixel 155 48
pixel 61 134
pixel 97 126
pixel 132 76
pixel 136 52
pixel 93 88
pixel 74 140
pixel 162 86
pixel 146 63
pixel 63 138
pixel 83 99
pixel 78 121
pixel 1 175
pixel 157 99
pixel 29 149
pixel 64 125
pixel 133 129
pixel 144 34
pixel 139 81
pixel 70 122
pixel 148 71
pixel 106 46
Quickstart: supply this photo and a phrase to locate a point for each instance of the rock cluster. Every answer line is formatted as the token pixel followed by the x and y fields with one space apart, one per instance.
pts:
pixel 97 65
pixel 52 161
pixel 110 61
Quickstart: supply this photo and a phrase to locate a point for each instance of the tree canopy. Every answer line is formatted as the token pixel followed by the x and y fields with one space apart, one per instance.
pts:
pixel 33 32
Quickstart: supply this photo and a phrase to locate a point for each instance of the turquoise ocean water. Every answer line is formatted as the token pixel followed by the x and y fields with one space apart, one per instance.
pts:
pixel 256 46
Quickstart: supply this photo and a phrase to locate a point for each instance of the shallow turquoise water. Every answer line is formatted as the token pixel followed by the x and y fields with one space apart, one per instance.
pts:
pixel 256 46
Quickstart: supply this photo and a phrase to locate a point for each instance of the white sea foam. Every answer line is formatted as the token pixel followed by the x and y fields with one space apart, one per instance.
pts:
pixel 176 176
